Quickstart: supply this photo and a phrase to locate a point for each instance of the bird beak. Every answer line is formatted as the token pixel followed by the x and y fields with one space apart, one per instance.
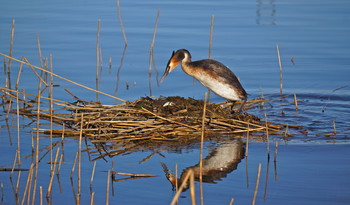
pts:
pixel 170 66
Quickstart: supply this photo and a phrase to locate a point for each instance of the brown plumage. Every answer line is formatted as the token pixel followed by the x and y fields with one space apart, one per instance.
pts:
pixel 211 73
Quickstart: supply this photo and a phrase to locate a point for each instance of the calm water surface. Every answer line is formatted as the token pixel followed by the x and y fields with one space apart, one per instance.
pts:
pixel 310 168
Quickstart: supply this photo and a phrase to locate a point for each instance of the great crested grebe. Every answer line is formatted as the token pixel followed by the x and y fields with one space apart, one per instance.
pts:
pixel 211 73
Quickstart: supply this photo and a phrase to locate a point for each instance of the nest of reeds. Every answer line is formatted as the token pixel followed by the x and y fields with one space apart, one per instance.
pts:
pixel 149 123
pixel 160 119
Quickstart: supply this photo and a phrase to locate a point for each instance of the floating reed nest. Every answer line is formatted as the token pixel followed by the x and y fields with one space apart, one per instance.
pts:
pixel 149 123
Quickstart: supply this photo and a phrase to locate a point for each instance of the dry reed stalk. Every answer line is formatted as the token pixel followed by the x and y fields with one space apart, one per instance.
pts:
pixel 176 179
pixel 37 141
pixel 59 164
pixel 334 127
pixel 296 102
pixel 110 65
pixel 65 79
pixel 92 198
pixel 39 51
pixel 92 175
pixel 147 158
pixel 275 160
pixel 74 163
pixel 24 93
pixel 10 54
pixel 201 149
pixel 276 149
pixel 119 69
pixel 41 195
pixel 79 158
pixel 266 178
pixel 182 124
pixel 51 109
pixel 107 186
pixel 247 142
pixel 97 54
pixel 267 138
pixel 151 58
pixel 280 66
pixel 27 187
pixel 256 184
pixel 211 35
pixel 121 23
pixel 134 175
pixel 231 201
pixel 36 73
pixel 52 174
pixel 188 177
pixel 17 110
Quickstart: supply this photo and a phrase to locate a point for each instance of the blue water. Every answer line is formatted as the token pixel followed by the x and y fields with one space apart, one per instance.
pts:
pixel 312 168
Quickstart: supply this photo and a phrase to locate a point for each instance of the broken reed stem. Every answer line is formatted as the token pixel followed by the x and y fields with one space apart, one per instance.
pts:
pixel 121 23
pixel 41 195
pixel 59 164
pixel 119 69
pixel 74 163
pixel 231 201
pixel 201 149
pixel 65 79
pixel 92 198
pixel 36 73
pixel 97 54
pixel 27 187
pixel 267 138
pixel 92 175
pixel 266 178
pixel 276 149
pixel 211 35
pixel 256 184
pixel 151 58
pixel 280 66
pixel 334 127
pixel 11 49
pixel 107 186
pixel 39 51
pixel 296 102
pixel 52 174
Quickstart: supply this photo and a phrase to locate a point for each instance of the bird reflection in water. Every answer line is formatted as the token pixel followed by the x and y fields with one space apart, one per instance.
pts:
pixel 219 162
